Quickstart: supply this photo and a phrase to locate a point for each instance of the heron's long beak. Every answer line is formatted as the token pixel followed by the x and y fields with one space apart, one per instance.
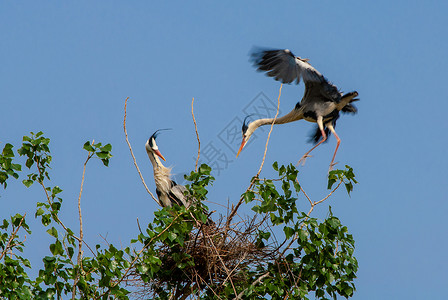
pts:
pixel 157 152
pixel 241 147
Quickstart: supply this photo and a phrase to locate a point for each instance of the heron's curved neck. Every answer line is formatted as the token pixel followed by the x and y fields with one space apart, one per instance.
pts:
pixel 157 164
pixel 293 115
pixel 162 174
pixel 155 161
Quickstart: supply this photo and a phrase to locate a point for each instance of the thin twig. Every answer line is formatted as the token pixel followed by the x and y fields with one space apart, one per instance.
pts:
pixel 223 264
pixel 132 154
pixel 313 204
pixel 11 238
pixel 237 206
pixel 55 215
pixel 81 233
pixel 269 134
pixel 301 189
pixel 240 295
pixel 197 136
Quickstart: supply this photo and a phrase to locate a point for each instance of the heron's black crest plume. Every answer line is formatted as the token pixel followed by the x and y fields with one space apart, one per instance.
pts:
pixel 156 133
pixel 245 124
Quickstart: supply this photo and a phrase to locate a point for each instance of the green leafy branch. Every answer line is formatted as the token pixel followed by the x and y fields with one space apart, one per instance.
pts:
pixel 7 168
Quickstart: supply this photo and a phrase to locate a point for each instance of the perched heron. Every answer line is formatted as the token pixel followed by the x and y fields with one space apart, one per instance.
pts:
pixel 168 191
pixel 321 102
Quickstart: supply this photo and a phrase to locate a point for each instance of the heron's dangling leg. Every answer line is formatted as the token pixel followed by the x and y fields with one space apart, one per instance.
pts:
pixel 332 164
pixel 324 138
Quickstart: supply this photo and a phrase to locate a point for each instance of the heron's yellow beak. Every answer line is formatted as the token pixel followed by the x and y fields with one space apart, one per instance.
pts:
pixel 157 152
pixel 241 147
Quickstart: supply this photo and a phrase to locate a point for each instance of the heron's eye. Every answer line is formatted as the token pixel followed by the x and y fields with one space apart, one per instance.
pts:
pixel 151 143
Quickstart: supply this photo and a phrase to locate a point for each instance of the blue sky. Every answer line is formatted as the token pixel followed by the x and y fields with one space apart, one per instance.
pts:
pixel 68 66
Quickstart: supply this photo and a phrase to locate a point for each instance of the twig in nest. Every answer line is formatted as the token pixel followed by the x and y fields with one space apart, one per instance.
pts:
pixel 197 136
pixel 132 153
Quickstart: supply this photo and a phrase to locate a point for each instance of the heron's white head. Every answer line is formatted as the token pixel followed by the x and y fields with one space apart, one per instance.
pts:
pixel 151 146
pixel 247 131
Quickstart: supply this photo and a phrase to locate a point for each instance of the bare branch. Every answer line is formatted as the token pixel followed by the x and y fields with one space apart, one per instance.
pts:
pixel 197 136
pixel 272 127
pixel 313 204
pixel 55 215
pixel 81 233
pixel 132 154
pixel 320 201
pixel 237 206
pixel 301 189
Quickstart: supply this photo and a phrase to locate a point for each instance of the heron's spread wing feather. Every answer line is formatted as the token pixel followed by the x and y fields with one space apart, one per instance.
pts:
pixel 284 66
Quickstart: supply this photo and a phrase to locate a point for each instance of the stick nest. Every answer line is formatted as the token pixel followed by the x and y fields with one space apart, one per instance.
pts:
pixel 221 255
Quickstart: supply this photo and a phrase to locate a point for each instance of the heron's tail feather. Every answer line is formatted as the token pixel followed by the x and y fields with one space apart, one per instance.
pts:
pixel 316 135
pixel 345 103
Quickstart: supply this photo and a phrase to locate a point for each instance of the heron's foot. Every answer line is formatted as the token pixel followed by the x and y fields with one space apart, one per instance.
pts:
pixel 331 166
pixel 303 159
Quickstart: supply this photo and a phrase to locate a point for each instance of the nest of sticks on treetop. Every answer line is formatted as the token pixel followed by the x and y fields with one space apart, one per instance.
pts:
pixel 222 254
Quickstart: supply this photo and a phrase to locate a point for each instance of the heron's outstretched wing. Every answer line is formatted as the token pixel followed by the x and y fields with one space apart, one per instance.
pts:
pixel 284 66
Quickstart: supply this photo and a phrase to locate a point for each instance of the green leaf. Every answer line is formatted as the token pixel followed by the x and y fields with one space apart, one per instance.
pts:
pixel 102 155
pixel 106 148
pixel 172 236
pixel 204 169
pixel 71 251
pixel 334 222
pixel 39 212
pixel 249 196
pixel 88 147
pixel 288 232
pixel 29 162
pixel 53 232
pixel 56 248
pixel 16 167
pixel 27 182
pixel 303 235
pixel 143 269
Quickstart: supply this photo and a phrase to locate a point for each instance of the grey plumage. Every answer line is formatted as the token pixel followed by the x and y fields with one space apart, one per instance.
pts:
pixel 321 102
pixel 168 192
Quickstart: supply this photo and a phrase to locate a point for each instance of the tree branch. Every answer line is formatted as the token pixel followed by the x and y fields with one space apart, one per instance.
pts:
pixel 11 238
pixel 235 209
pixel 132 154
pixel 81 233
pixel 270 130
pixel 197 136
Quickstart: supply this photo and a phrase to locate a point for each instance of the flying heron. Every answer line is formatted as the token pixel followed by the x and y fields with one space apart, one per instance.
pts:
pixel 321 102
